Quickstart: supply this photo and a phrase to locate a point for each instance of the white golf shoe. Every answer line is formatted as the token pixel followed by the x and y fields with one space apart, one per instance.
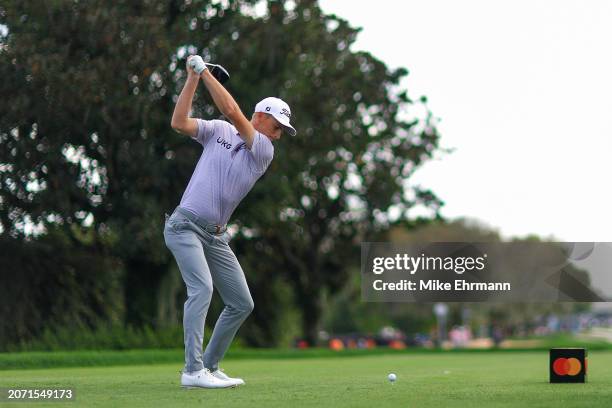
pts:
pixel 204 379
pixel 222 376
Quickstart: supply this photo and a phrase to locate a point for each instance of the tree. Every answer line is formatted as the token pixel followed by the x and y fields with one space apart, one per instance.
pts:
pixel 337 182
pixel 517 318
pixel 52 283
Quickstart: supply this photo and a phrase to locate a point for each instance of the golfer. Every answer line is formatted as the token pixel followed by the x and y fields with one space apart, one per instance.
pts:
pixel 234 156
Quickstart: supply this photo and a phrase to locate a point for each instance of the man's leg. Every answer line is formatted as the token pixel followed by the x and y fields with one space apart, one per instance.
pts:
pixel 189 254
pixel 231 284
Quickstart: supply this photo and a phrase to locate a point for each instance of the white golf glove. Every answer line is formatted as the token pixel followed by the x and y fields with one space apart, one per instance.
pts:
pixel 197 63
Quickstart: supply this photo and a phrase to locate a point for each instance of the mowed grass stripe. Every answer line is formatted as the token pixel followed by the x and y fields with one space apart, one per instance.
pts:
pixel 424 380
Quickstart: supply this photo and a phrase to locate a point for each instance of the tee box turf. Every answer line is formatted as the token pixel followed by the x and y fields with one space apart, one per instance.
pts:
pixel 568 365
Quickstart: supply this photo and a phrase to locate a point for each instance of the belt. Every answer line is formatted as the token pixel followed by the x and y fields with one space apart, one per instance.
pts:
pixel 201 222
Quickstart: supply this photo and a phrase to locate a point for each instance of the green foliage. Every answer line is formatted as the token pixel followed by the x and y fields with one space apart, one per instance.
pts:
pixel 54 282
pixel 515 318
pixel 346 312
pixel 103 337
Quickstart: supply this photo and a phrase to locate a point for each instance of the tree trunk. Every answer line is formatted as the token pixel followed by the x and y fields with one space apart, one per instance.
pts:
pixel 142 282
pixel 311 316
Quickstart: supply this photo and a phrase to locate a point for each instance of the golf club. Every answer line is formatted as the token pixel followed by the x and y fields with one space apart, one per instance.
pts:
pixel 220 73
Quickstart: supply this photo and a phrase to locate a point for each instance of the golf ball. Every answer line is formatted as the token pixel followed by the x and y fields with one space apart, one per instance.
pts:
pixel 392 377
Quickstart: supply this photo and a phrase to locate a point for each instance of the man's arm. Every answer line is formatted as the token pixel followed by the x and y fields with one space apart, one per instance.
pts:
pixel 229 108
pixel 181 122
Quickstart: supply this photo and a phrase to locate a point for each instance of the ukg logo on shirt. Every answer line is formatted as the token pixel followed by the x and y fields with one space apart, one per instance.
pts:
pixel 224 143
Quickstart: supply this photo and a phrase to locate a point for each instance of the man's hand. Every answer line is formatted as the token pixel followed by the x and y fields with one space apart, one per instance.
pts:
pixel 195 65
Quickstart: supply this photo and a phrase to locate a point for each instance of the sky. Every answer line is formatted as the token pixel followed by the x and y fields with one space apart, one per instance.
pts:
pixel 523 93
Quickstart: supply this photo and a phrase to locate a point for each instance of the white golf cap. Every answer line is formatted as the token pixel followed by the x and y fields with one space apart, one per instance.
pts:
pixel 279 109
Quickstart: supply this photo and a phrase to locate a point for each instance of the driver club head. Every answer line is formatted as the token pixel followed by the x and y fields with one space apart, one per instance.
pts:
pixel 218 72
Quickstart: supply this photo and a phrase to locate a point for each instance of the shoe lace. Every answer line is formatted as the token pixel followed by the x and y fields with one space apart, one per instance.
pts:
pixel 204 371
pixel 222 373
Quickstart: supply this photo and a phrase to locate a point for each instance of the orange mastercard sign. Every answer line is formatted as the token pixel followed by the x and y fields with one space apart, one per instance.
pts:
pixel 568 365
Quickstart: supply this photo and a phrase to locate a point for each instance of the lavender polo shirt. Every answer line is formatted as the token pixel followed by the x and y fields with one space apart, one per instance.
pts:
pixel 226 171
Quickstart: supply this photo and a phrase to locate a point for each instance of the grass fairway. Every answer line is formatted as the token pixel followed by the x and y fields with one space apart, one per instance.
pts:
pixel 454 379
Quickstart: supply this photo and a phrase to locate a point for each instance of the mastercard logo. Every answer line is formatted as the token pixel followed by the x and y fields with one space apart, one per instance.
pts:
pixel 567 366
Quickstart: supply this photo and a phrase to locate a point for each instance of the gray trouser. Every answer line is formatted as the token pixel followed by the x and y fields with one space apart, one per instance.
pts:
pixel 205 259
